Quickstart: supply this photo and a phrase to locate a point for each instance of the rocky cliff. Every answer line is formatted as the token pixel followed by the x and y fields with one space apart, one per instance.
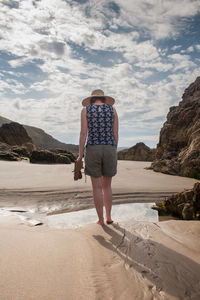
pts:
pixel 139 152
pixel 16 144
pixel 43 139
pixel 178 150
pixel 14 134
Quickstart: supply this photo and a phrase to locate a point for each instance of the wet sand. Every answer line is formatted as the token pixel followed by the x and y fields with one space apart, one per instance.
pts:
pixel 137 260
pixel 51 188
pixel 126 260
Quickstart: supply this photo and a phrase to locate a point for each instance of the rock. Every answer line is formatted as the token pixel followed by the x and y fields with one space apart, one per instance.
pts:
pixel 184 205
pixel 64 153
pixel 9 156
pixel 139 152
pixel 48 157
pixel 178 150
pixel 21 151
pixel 43 140
pixel 14 134
pixel 188 212
pixel 4 147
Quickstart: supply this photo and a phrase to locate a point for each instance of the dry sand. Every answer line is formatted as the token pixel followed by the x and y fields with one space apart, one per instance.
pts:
pixel 131 177
pixel 140 260
pixel 135 260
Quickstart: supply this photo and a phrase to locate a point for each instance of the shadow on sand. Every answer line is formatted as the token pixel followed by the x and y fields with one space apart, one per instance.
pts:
pixel 168 271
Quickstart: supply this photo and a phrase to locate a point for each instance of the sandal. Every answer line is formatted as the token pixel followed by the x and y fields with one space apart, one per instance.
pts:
pixel 78 165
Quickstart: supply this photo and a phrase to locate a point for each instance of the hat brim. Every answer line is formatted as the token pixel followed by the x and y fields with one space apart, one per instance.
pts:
pixel 108 100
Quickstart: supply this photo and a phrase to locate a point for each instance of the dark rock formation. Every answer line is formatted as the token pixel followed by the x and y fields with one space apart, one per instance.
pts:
pixel 14 134
pixel 7 154
pixel 48 157
pixel 15 144
pixel 178 150
pixel 42 139
pixel 21 151
pixel 184 205
pixel 139 152
pixel 64 153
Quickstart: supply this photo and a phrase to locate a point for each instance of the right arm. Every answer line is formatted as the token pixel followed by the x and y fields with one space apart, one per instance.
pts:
pixel 115 126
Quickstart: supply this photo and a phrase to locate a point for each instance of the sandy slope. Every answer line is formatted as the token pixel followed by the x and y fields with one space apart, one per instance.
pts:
pixel 125 261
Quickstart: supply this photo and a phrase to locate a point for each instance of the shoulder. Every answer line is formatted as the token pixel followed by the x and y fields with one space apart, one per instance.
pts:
pixel 114 109
pixel 83 111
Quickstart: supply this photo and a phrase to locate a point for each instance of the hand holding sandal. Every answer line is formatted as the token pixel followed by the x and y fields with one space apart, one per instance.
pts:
pixel 78 165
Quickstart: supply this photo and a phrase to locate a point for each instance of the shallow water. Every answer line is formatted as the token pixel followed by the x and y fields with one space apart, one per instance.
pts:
pixel 120 213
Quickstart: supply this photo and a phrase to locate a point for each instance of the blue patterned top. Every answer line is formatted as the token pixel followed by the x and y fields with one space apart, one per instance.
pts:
pixel 100 124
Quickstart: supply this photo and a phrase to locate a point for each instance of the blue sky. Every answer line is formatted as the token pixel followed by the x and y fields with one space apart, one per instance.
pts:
pixel 54 53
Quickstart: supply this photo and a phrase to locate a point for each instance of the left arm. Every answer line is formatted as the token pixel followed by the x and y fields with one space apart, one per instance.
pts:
pixel 83 134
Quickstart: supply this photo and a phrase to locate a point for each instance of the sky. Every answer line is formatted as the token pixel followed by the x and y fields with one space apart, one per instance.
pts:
pixel 54 53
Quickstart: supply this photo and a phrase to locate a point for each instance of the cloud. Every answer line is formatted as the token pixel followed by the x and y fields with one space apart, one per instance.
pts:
pixel 159 19
pixel 55 52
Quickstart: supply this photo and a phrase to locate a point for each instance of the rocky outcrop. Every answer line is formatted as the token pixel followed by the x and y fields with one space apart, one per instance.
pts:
pixel 184 205
pixel 7 154
pixel 13 153
pixel 48 157
pixel 14 134
pixel 42 139
pixel 16 144
pixel 178 150
pixel 139 152
pixel 68 154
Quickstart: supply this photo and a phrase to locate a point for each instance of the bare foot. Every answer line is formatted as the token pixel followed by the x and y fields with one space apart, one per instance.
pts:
pixel 100 223
pixel 109 221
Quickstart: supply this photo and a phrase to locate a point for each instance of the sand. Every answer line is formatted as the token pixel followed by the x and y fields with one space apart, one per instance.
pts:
pixel 131 177
pixel 141 260
pixel 51 188
pixel 126 260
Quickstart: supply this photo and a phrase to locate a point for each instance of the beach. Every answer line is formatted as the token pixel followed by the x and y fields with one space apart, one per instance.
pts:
pixel 126 260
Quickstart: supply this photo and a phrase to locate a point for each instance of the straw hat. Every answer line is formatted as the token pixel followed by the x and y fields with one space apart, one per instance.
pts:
pixel 98 93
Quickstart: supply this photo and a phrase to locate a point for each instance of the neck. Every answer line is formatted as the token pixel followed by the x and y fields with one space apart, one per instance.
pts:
pixel 98 102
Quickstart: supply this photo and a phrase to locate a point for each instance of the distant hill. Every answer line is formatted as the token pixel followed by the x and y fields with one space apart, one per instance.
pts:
pixel 43 139
pixel 121 148
pixel 4 120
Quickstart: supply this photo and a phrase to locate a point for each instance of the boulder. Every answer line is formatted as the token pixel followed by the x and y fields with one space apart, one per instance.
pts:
pixel 8 155
pixel 21 151
pixel 178 150
pixel 64 153
pixel 48 157
pixel 139 152
pixel 14 134
pixel 184 205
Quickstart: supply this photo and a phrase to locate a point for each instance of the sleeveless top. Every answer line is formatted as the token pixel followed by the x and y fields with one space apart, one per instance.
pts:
pixel 100 122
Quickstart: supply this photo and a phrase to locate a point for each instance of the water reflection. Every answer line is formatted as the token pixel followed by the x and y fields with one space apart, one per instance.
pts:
pixel 120 213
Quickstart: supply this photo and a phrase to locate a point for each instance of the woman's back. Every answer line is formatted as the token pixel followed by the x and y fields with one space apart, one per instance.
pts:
pixel 100 119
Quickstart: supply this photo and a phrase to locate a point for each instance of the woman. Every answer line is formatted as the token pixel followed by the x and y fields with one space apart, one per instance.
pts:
pixel 99 124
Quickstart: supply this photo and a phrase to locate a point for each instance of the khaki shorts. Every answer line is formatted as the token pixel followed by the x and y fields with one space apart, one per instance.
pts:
pixel 100 160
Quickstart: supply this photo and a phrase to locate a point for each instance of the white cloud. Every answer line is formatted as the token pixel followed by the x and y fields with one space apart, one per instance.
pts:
pixel 197 47
pixel 161 19
pixel 53 31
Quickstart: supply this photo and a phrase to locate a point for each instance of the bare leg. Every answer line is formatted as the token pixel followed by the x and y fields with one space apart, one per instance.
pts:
pixel 107 196
pixel 98 198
